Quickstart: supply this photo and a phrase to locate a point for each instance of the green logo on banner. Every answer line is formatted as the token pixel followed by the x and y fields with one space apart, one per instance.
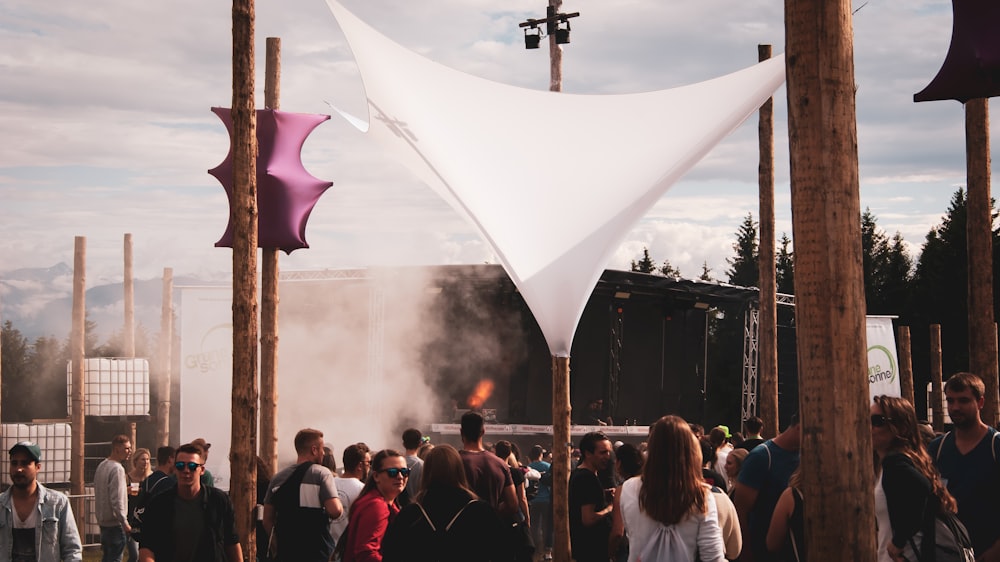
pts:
pixel 877 371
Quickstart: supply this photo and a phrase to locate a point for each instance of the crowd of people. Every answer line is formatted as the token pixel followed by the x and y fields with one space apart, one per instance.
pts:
pixel 680 495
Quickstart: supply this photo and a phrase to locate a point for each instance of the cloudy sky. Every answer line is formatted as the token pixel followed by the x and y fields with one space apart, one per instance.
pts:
pixel 106 125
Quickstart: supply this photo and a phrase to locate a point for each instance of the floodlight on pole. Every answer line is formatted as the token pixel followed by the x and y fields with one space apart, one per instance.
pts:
pixel 557 28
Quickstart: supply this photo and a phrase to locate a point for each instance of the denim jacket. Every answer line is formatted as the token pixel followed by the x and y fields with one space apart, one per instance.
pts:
pixel 56 538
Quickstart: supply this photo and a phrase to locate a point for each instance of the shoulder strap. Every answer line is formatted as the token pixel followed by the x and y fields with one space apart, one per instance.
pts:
pixel 283 493
pixel 768 449
pixel 941 446
pixel 993 443
pixel 428 519
pixel 452 522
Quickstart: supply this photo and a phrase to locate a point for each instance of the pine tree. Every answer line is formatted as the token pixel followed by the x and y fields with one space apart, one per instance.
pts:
pixel 784 266
pixel 645 265
pixel 897 277
pixel 668 270
pixel 743 268
pixel 706 272
pixel 874 261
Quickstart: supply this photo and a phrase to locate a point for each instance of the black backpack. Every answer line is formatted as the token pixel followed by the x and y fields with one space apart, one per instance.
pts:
pixel 298 530
pixel 945 539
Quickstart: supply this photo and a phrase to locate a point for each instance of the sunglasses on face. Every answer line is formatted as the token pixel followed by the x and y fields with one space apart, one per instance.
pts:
pixel 879 420
pixel 393 472
pixel 23 463
pixel 190 465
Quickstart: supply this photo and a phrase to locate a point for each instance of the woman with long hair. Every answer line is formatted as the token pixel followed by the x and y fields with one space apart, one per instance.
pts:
pixel 446 522
pixel 375 508
pixel 139 468
pixel 669 512
pixel 907 484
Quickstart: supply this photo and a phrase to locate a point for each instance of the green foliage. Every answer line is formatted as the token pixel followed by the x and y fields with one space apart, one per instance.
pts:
pixel 706 272
pixel 785 267
pixel 668 270
pixel 647 265
pixel 743 267
pixel 887 268
pixel 644 265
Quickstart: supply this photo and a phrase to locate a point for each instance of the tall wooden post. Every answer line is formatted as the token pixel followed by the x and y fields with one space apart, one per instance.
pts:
pixel 979 229
pixel 555 52
pixel 937 392
pixel 166 359
pixel 269 294
pixel 1 370
pixel 128 337
pixel 560 459
pixel 905 364
pixel 560 376
pixel 829 286
pixel 76 344
pixel 767 371
pixel 243 206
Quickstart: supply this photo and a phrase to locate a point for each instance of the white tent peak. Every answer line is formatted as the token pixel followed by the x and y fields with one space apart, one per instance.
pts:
pixel 553 212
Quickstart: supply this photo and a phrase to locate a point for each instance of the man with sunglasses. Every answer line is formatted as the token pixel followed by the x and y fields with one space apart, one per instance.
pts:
pixel 189 521
pixel 301 501
pixel 968 458
pixel 36 523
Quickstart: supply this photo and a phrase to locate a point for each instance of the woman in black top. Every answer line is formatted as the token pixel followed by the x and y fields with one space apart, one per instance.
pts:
pixel 447 522
pixel 907 486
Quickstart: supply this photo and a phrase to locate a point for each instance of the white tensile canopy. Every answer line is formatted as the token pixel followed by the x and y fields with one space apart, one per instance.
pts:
pixel 552 212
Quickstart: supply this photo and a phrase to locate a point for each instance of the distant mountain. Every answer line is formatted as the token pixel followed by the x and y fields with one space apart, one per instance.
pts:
pixel 39 302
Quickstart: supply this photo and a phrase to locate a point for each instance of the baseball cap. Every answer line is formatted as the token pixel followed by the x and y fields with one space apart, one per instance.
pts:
pixel 30 447
pixel 726 429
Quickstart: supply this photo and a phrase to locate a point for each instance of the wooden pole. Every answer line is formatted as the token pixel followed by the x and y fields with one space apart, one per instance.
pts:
pixel 269 294
pixel 905 365
pixel 555 52
pixel 560 377
pixel 836 446
pixel 560 459
pixel 1 368
pixel 937 392
pixel 243 205
pixel 76 344
pixel 979 230
pixel 128 339
pixel 767 372
pixel 166 359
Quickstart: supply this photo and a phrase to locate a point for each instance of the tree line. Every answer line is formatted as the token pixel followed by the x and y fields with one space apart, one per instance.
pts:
pixel 35 372
pixel 931 289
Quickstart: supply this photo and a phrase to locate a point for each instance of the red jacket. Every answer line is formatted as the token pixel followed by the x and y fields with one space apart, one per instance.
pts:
pixel 370 516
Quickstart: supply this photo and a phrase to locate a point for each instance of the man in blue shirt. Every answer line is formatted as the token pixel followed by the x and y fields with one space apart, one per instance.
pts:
pixel 967 460
pixel 763 476
pixel 540 506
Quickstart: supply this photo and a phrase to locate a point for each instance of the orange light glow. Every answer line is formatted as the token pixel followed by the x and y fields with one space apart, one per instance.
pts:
pixel 482 393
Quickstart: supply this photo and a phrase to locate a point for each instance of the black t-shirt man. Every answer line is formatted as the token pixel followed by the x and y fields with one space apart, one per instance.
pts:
pixel 589 505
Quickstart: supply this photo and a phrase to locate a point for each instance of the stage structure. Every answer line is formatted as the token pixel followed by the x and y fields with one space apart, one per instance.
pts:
pixel 464 136
pixel 640 347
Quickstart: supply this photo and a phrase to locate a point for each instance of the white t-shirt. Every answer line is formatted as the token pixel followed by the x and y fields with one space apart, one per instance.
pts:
pixel 31 522
pixel 699 532
pixel 348 489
